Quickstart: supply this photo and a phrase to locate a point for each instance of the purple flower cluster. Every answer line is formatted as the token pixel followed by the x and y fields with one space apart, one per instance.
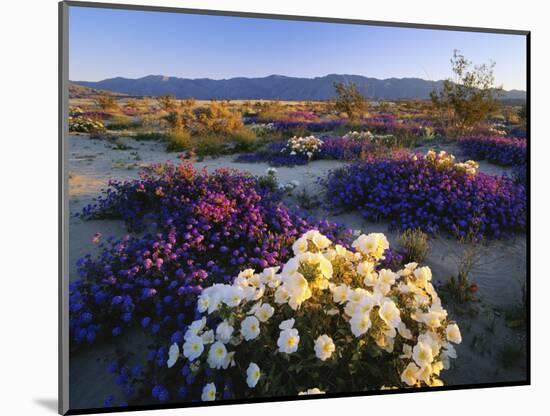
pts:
pixel 97 115
pixel 311 126
pixel 196 229
pixel 302 115
pixel 416 193
pixel 505 151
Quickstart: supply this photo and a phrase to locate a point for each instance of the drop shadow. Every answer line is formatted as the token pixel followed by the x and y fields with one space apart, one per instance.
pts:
pixel 48 404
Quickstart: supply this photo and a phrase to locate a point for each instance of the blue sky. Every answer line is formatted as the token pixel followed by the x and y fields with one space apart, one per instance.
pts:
pixel 106 43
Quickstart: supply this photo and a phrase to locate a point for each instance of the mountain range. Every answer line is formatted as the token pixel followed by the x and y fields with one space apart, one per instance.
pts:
pixel 274 87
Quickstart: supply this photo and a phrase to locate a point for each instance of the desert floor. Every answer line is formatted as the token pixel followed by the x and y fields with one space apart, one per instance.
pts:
pixel 491 351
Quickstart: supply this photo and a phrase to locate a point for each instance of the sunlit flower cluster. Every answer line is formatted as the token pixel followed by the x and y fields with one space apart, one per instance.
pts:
pixel 85 125
pixel 327 309
pixel 444 160
pixel 385 139
pixel 262 129
pixel 307 146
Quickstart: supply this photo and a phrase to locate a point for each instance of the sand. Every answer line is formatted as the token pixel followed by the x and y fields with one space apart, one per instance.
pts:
pixel 485 331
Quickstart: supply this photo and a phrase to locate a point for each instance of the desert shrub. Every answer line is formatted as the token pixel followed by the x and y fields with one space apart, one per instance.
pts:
pixel 470 98
pixel 349 100
pixel 123 122
pixel 431 193
pixel 271 110
pixel 244 140
pixel 330 319
pixel 460 287
pixel 167 103
pixel 106 102
pixel 415 245
pixel 210 145
pixel 178 140
pixel 216 119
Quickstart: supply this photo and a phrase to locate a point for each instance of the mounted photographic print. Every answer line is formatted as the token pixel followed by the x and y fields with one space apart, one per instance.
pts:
pixel 264 207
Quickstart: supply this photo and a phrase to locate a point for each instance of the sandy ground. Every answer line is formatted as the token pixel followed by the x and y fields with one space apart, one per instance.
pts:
pixel 500 275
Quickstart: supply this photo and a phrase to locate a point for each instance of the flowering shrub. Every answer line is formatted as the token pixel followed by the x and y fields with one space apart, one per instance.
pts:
pixel 506 151
pixel 75 111
pixel 304 146
pixel 198 229
pixel 387 140
pixel 262 129
pixel 85 125
pixel 330 320
pixel 432 193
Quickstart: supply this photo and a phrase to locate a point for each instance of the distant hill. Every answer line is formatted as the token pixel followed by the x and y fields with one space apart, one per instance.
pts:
pixel 274 87
pixel 81 91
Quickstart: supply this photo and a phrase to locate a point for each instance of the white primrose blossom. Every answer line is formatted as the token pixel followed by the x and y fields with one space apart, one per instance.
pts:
pixel 253 374
pixel 209 393
pixel 306 146
pixel 328 301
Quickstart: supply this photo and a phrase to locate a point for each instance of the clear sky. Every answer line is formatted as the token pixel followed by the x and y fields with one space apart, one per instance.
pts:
pixel 106 43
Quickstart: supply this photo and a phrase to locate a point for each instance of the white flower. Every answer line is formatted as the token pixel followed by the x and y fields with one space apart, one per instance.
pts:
pixel 311 391
pixel 324 347
pixel 270 277
pixel 423 275
pixel 360 323
pixel 453 333
pixel 224 332
pixel 195 328
pixel 202 303
pixel 233 296
pixel 208 337
pixel 298 290
pixel 173 354
pixel 320 241
pixel 422 354
pixel 339 293
pixel 404 331
pixel 389 313
pixel 271 171
pixel 407 351
pixel 281 295
pixel 365 268
pixel 264 312
pixel 288 324
pixel 216 355
pixel 252 375
pixel 250 328
pixel 209 393
pixel 408 376
pixel 373 244
pixel 288 341
pixel 387 276
pixel 193 347
pixel 299 246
